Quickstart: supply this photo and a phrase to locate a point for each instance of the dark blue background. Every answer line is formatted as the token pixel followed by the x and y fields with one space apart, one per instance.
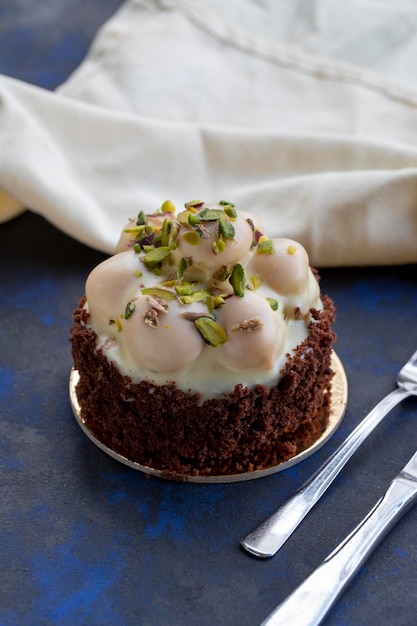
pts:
pixel 85 540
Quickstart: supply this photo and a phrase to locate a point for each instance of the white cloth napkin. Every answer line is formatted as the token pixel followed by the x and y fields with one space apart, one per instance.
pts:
pixel 304 113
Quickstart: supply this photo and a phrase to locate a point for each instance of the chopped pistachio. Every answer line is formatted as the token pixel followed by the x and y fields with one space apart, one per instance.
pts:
pixel 183 217
pixel 215 301
pixel 237 280
pixel 210 215
pixel 265 246
pixel 118 325
pixel 159 292
pixel 211 331
pixel 292 249
pixel 141 219
pixel 256 281
pixel 168 207
pixel 273 303
pixel 183 263
pixel 166 230
pixel 230 211
pixel 222 273
pixel 218 246
pixel 137 274
pixel 194 204
pixel 193 219
pixel 184 289
pixel 154 257
pixel 226 229
pixel 130 307
pixel 200 295
pixel 174 229
pixel 137 230
pixel 191 237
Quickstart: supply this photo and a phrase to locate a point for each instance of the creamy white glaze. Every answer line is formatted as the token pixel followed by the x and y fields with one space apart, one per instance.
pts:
pixel 157 340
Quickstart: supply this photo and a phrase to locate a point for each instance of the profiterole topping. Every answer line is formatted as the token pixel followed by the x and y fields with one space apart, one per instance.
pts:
pixel 181 284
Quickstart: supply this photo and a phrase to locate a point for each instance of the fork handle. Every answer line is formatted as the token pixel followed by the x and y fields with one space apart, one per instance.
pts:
pixel 267 538
pixel 309 604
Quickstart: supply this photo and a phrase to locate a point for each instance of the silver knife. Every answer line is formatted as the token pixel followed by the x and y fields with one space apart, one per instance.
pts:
pixel 309 604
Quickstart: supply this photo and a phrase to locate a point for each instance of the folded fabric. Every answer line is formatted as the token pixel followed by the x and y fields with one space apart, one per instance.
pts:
pixel 180 98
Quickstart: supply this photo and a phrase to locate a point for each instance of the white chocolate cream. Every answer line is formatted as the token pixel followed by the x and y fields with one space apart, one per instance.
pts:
pixel 202 299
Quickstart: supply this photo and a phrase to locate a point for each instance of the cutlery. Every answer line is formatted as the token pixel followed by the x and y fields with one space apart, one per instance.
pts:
pixel 267 538
pixel 309 604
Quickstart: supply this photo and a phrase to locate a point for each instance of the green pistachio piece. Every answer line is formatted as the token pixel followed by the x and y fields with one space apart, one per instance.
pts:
pixel 273 303
pixel 210 215
pixel 200 295
pixel 156 256
pixel 137 230
pixel 211 331
pixel 141 220
pixel 194 204
pixel 192 237
pixel 218 246
pixel 256 281
pixel 222 273
pixel 265 246
pixel 130 307
pixel 193 219
pixel 238 280
pixel 225 203
pixel 160 292
pixel 166 230
pixel 183 217
pixel 213 302
pixel 184 289
pixel 230 211
pixel 168 207
pixel 183 263
pixel 226 229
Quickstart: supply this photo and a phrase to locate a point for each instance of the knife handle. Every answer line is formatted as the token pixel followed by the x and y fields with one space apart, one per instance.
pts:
pixel 309 604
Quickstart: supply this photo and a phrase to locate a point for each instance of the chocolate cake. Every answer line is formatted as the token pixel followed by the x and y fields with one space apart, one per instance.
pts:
pixel 203 347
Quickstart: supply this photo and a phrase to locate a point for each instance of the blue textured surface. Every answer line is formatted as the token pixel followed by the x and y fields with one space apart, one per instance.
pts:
pixel 85 540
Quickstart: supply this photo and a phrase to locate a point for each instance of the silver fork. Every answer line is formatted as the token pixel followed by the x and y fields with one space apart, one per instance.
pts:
pixel 267 538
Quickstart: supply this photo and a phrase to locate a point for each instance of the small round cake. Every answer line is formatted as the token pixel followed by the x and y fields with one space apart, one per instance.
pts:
pixel 203 347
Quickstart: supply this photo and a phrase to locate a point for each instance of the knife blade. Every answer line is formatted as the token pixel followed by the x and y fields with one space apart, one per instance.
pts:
pixel 309 603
